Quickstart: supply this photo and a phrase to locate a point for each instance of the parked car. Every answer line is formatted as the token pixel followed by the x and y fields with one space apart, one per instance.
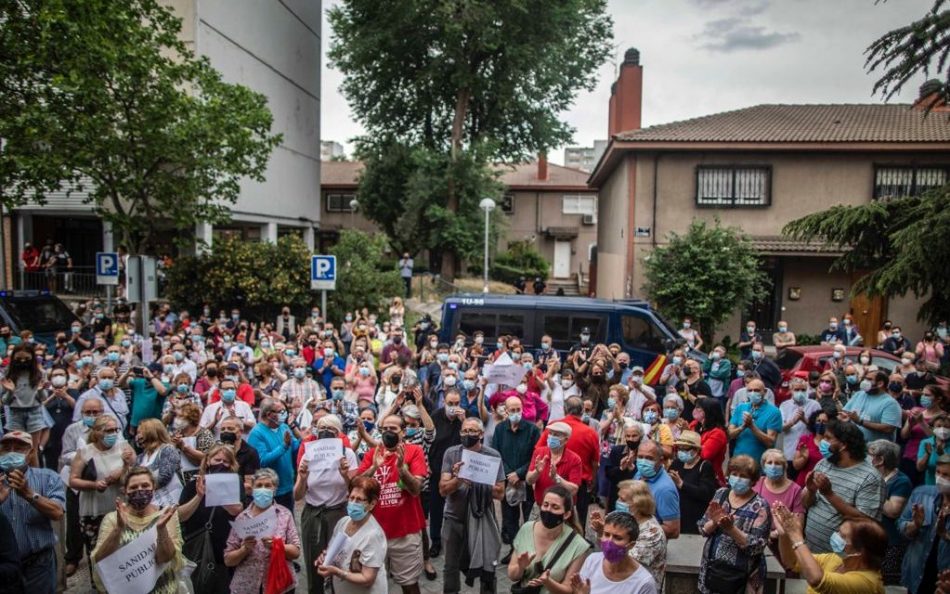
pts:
pixel 39 311
pixel 798 361
pixel 632 323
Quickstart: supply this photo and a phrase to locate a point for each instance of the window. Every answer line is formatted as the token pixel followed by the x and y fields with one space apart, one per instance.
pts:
pixel 558 328
pixel 474 321
pixel 511 324
pixel 739 186
pixel 508 203
pixel 901 182
pixel 580 322
pixel 579 205
pixel 640 333
pixel 340 202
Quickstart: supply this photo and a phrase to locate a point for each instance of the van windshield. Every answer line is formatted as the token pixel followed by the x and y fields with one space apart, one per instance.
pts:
pixel 39 314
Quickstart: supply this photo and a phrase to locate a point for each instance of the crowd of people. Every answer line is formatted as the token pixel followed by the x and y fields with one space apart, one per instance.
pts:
pixel 114 431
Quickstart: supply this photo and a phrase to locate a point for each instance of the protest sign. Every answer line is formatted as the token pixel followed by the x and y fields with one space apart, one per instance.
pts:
pixel 324 454
pixel 186 464
pixel 336 546
pixel 222 489
pixel 132 569
pixel 508 375
pixel 259 526
pixel 479 468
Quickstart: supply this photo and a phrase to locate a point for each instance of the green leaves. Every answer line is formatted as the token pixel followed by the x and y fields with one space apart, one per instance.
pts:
pixel 899 244
pixel 706 274
pixel 362 282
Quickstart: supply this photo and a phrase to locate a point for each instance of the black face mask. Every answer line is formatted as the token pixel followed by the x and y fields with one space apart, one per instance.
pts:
pixel 624 365
pixel 396 379
pixel 390 439
pixel 633 445
pixel 470 441
pixel 397 340
pixel 212 373
pixel 551 520
pixel 895 387
pixel 597 379
pixel 228 437
pixel 326 434
pixel 218 468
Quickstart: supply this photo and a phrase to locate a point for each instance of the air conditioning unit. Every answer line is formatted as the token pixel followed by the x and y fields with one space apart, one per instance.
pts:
pixel 589 219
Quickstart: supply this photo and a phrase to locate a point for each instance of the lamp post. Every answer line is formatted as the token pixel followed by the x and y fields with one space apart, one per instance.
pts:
pixel 354 204
pixel 487 204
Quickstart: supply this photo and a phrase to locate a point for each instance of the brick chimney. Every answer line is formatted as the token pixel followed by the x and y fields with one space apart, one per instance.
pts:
pixel 626 95
pixel 932 96
pixel 543 166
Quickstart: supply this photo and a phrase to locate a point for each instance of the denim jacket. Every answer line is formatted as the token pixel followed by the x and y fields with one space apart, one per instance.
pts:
pixel 918 548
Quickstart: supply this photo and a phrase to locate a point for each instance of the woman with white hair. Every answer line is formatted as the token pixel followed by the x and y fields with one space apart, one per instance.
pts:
pixel 673 414
pixel 885 457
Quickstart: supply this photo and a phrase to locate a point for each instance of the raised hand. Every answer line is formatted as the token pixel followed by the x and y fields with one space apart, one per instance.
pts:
pixel 823 483
pixel 726 522
pixel 121 514
pixel 524 560
pixel 675 477
pixel 344 467
pixel 166 515
pixel 917 515
pixel 597 521
pixel 579 585
pixel 540 581
pixel 303 469
pixel 287 438
pixel 540 464
pixel 200 486
pixel 714 511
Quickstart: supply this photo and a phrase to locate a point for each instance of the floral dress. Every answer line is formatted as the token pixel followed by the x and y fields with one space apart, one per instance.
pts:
pixel 251 575
pixel 755 520
pixel 650 550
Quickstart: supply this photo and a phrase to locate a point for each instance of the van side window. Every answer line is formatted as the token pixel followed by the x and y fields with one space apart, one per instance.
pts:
pixel 512 324
pixel 472 321
pixel 595 325
pixel 558 327
pixel 640 333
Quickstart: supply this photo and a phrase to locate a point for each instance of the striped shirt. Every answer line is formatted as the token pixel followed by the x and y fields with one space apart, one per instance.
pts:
pixel 860 486
pixel 34 531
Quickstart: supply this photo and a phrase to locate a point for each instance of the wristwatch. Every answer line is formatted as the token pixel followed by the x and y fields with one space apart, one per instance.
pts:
pixel 35 497
pixel 795 545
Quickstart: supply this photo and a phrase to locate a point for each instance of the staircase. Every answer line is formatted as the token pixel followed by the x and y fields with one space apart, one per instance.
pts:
pixel 569 286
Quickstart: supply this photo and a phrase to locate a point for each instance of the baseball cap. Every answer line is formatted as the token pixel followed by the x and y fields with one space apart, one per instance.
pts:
pixel 20 436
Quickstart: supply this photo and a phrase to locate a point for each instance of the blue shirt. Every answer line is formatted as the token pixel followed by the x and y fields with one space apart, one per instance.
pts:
pixel 766 417
pixel 918 548
pixel 877 408
pixel 33 530
pixel 327 376
pixel 665 494
pixel 270 447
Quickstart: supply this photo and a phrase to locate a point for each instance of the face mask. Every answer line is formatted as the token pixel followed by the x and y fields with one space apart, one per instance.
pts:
pixel 586 418
pixel 715 355
pixel 88 421
pixel 228 395
pixel 545 346
pixel 825 386
pixel 740 373
pixel 265 344
pixel 750 330
pixel 646 468
pixel 12 461
pixel 326 434
pixel 613 553
pixel 356 511
pixel 263 498
pixel 468 384
pixel 514 418
pixel 364 371
pixel 896 335
pixel 942 433
pixel 774 471
pixel 218 468
pixel 551 520
pixel 650 416
pixel 566 384
pixel 671 413
pixel 450 380
pixel 396 380
pixel 837 543
pixel 943 485
pixel 825 448
pixel 800 396
pixel 755 397
pixel 479 339
pixel 620 506
pixel 168 369
pixel 75 329
pixel 112 357
pixel 470 441
pixel 499 345
pixel 521 389
pixel 783 329
pixel 611 403
pixel 866 385
pixel 290 353
pixel 756 355
pixel 300 373
pixel 139 500
pixel 684 456
pixel 412 431
pixel 585 338
pixel 637 379
pixel 390 439
pixel 740 485
pixel 126 344
pixel 865 360
pixel 442 357
pixel 182 388
pixel 819 429
pixel 106 384
pixel 282 416
pixel 554 443
pixel 597 379
pixel 677 360
pixel 179 424
pixel 58 381
pixel 327 353
pixel 451 410
pixel 228 437
pixel 833 326
pixel 110 440
pixel 926 401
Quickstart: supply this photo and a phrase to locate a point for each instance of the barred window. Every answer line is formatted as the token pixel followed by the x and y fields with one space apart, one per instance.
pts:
pixel 901 182
pixel 507 203
pixel 340 202
pixel 579 205
pixel 737 186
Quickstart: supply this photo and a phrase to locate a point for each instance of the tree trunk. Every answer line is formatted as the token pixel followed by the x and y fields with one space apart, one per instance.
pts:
pixel 462 100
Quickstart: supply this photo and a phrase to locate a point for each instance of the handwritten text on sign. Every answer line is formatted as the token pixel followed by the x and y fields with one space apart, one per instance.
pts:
pixel 324 454
pixel 479 468
pixel 260 526
pixel 133 568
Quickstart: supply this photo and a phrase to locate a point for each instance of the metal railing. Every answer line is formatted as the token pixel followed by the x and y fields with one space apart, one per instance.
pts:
pixel 78 280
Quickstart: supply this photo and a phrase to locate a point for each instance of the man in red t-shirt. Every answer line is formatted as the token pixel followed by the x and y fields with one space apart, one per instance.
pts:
pixel 586 444
pixel 400 469
pixel 554 464
pixel 244 390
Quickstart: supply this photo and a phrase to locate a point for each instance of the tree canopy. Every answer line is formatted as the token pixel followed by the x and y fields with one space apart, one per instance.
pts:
pixel 706 274
pixel 107 91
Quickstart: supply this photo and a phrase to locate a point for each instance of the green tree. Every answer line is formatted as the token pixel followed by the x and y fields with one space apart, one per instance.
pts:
pixel 106 90
pixel 706 273
pixel 900 242
pixel 362 280
pixel 489 77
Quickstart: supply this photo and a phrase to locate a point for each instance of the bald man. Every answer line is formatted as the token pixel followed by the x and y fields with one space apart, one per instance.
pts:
pixel 514 440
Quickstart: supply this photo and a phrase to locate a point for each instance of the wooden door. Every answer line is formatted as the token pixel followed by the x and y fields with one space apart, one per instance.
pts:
pixel 868 314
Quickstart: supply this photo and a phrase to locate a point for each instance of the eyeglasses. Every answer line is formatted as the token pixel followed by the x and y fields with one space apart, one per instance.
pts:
pixel 110 431
pixel 355 499
pixel 471 432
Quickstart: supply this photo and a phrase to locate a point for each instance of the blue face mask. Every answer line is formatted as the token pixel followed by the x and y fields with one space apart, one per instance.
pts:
pixel 89 421
pixel 499 345
pixel 755 397
pixel 611 403
pixel 526 365
pixel 926 401
pixel 837 543
pixel 369 426
pixel 586 418
pixel 12 461
pixel 356 511
pixel 228 395
pixel 338 394
pixel 852 379
pixel 825 448
pixel 553 442
pixel 112 357
pixel 410 432
pixel 622 507
pixel 182 388
pixel 677 360
pixel 685 457
pixel 282 416
pixel 106 384
pixel 800 397
pixel 110 439
pixel 740 373
pixel 300 373
pixel 740 485
pixel 515 417
pixel 646 468
pixel 263 498
pixel 671 413
pixel 756 355
pixel 442 357
pixel 650 416
pixel 773 471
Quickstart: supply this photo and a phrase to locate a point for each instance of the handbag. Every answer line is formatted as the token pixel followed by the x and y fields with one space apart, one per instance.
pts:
pixel 279 578
pixel 520 588
pixel 208 575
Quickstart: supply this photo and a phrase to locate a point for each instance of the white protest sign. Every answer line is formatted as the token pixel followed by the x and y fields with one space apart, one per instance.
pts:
pixel 260 526
pixel 479 468
pixel 132 569
pixel 504 371
pixel 186 464
pixel 324 454
pixel 336 546
pixel 222 489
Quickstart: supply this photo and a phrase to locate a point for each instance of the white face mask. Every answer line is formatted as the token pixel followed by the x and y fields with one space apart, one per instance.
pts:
pixel 522 388
pixel 566 384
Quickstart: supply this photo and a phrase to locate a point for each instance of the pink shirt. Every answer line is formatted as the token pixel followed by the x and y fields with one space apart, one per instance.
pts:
pixel 251 574
pixel 792 497
pixel 533 406
pixel 814 455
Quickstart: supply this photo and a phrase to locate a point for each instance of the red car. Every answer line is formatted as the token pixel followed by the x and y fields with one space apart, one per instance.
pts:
pixel 797 361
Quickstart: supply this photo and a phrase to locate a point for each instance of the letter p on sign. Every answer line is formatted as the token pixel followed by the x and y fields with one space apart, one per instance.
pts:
pixel 107 268
pixel 323 273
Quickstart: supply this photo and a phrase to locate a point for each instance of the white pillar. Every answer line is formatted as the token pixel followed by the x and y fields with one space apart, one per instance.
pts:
pixel 309 237
pixel 108 237
pixel 269 232
pixel 203 233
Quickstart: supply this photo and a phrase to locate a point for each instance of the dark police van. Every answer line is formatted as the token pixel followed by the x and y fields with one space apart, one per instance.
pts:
pixel 639 329
pixel 39 311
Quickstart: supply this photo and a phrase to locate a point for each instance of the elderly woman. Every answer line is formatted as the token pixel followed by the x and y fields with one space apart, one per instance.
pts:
pixel 192 441
pixel 673 415
pixel 736 526
pixel 776 487
pixel 162 458
pixel 361 565
pixel 137 515
pixel 658 431
pixel 96 471
pixel 251 556
pixel 636 498
pixel 855 565
pixel 694 478
pixel 885 456
pixel 200 521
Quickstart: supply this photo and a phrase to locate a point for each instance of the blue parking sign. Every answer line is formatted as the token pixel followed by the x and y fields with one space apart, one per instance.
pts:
pixel 107 268
pixel 323 273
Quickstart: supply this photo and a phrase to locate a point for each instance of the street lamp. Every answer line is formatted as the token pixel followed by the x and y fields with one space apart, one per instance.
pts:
pixel 487 204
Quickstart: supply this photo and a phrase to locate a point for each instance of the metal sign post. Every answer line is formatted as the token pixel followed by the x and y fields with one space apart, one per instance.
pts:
pixel 107 273
pixel 323 278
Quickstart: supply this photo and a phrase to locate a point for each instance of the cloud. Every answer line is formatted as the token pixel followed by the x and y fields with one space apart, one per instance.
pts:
pixel 736 34
pixel 739 7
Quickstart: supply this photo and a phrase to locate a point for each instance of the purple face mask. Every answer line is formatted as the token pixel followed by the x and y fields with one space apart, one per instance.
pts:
pixel 613 553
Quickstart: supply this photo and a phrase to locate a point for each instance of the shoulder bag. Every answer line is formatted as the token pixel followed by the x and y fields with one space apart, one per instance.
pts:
pixel 521 588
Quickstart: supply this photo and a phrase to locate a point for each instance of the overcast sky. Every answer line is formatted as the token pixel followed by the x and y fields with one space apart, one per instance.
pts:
pixel 707 56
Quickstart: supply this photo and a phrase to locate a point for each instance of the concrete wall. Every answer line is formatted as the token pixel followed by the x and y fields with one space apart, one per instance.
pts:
pixel 810 314
pixel 273 48
pixel 612 234
pixel 903 312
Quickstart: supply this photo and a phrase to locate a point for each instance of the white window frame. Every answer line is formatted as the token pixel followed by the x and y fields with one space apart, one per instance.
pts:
pixel 579 204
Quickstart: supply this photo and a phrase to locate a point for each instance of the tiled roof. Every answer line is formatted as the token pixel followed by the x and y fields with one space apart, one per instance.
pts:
pixel 804 123
pixel 776 244
pixel 340 173
pixel 346 173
